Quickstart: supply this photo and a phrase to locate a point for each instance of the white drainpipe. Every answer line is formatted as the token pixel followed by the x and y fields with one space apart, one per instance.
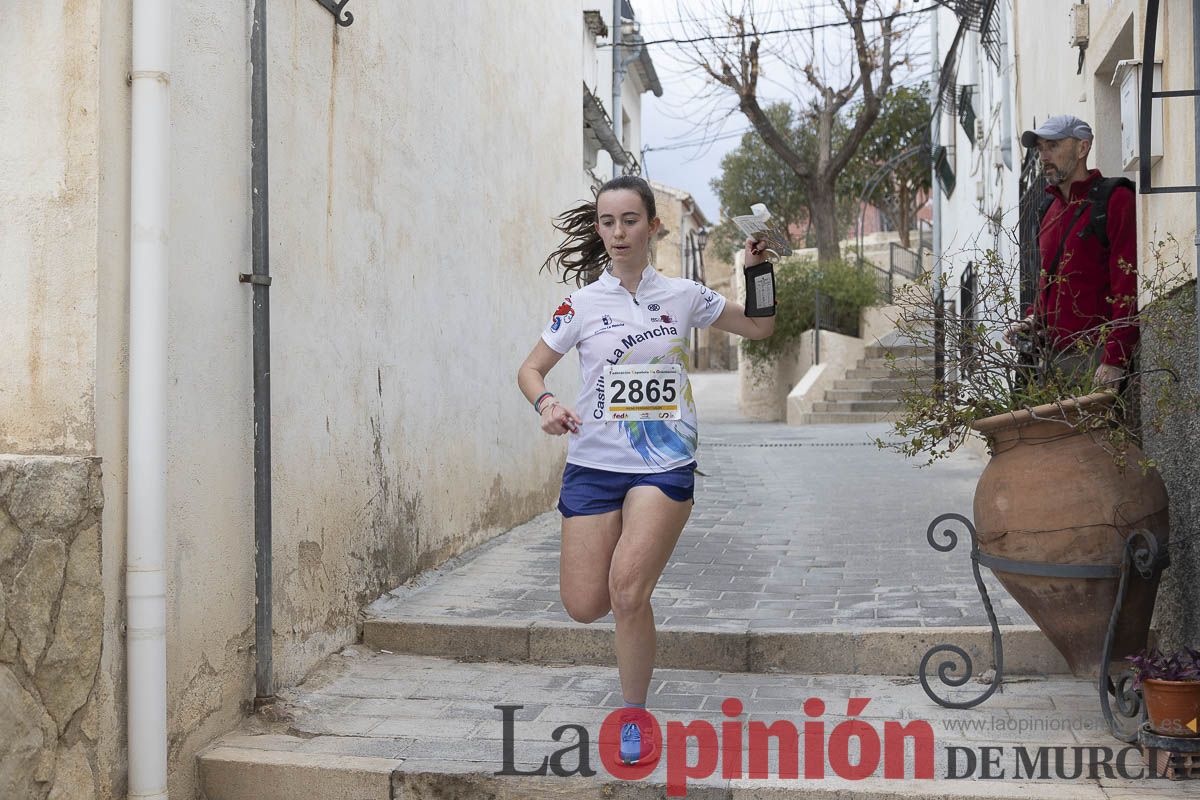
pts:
pixel 145 577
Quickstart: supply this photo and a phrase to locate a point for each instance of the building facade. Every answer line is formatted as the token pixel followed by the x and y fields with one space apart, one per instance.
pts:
pixel 613 146
pixel 976 163
pixel 408 155
pixel 681 251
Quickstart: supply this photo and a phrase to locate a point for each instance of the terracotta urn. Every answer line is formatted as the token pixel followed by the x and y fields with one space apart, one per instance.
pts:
pixel 1053 498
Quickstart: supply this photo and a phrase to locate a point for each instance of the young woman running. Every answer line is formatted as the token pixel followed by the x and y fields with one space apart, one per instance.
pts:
pixel 628 484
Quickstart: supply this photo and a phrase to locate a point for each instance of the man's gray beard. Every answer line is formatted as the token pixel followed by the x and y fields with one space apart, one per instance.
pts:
pixel 1055 176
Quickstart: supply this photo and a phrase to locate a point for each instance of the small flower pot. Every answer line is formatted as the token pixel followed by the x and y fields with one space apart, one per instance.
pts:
pixel 1172 706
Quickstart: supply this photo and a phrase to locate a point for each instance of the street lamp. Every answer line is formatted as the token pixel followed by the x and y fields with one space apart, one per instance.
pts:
pixel 702 237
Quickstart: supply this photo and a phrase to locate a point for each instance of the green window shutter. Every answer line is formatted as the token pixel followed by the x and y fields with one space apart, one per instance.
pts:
pixel 943 170
pixel 966 111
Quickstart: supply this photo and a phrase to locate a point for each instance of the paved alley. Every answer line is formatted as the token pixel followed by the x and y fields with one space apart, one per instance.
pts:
pixel 795 528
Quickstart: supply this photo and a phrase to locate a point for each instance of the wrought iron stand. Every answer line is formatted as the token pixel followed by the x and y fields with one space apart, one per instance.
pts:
pixel 1141 552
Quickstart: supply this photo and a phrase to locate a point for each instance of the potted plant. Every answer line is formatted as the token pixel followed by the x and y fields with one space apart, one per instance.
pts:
pixel 1066 483
pixel 1170 684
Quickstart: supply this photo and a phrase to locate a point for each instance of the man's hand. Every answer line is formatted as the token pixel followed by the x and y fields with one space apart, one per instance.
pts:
pixel 1018 329
pixel 557 419
pixel 1108 376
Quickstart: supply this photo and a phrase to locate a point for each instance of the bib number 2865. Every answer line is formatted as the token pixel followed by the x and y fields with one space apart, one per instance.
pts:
pixel 642 391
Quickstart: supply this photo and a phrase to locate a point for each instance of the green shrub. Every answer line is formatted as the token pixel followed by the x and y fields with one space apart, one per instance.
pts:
pixel 845 290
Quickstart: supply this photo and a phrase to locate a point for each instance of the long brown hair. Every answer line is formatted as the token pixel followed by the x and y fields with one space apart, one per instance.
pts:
pixel 581 255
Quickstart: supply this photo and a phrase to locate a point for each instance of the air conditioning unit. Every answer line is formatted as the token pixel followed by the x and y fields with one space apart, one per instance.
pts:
pixel 1078 25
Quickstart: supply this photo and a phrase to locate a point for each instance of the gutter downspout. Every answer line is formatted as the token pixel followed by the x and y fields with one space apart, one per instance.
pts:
pixel 1196 144
pixel 935 135
pixel 618 70
pixel 939 301
pixel 260 280
pixel 145 574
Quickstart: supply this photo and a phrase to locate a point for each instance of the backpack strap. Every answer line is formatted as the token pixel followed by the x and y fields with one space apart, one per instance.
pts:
pixel 1052 270
pixel 1047 201
pixel 1098 197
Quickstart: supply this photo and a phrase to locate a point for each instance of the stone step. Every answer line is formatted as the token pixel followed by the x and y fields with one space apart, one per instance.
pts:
pixel 876 384
pixel 375 726
pixel 862 651
pixel 857 396
pixel 881 371
pixel 855 406
pixel 903 362
pixel 844 417
pixel 898 350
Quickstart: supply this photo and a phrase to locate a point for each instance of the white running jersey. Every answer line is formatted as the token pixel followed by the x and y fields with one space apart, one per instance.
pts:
pixel 611 326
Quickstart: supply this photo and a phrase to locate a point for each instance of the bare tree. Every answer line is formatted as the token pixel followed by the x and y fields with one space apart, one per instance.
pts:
pixel 874 50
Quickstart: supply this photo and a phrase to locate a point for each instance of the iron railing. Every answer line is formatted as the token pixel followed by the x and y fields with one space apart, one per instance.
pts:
pixel 1032 195
pixel 902 262
pixel 967 293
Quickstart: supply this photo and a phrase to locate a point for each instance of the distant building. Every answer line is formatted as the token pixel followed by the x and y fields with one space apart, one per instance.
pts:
pixel 602 146
pixel 680 252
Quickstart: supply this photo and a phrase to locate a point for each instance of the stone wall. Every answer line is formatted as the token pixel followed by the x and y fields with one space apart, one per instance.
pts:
pixel 1174 447
pixel 51 624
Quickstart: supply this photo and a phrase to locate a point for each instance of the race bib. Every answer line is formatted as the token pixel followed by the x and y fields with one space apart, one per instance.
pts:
pixel 642 391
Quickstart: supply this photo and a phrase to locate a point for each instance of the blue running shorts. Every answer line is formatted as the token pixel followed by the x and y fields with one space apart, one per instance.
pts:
pixel 588 491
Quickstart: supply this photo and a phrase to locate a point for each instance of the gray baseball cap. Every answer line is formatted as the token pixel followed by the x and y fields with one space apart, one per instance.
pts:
pixel 1061 127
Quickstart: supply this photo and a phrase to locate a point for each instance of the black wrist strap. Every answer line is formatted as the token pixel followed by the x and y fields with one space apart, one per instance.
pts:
pixel 760 290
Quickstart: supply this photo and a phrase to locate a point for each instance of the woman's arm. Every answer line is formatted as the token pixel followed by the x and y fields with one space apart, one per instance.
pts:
pixel 733 317
pixel 557 418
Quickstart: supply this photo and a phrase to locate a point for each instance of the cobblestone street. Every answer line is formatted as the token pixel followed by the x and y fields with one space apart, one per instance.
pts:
pixel 795 528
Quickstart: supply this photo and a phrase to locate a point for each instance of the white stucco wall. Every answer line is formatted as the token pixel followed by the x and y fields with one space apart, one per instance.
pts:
pixel 986 184
pixel 48 190
pixel 414 170
pixel 1047 84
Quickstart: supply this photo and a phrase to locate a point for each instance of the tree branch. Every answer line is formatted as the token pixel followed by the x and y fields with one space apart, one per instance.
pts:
pixel 872 101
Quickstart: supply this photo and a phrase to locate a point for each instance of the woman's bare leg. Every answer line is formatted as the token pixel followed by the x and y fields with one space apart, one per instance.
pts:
pixel 650 526
pixel 587 550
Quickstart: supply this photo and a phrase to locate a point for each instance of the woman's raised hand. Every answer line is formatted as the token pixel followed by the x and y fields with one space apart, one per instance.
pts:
pixel 557 419
pixel 756 252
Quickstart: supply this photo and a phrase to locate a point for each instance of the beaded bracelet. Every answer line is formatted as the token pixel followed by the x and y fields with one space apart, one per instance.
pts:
pixel 538 403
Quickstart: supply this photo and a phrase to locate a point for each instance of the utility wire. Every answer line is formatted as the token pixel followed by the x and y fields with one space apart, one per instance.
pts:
pixel 734 134
pixel 803 29
pixel 698 142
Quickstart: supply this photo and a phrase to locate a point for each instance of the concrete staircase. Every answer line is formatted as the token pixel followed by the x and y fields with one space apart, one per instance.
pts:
pixel 870 392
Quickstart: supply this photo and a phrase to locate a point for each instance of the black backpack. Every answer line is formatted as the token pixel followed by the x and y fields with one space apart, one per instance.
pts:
pixel 1098 197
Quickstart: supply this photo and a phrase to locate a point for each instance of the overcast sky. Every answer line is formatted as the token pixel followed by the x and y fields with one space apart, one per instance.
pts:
pixel 671 122
pixel 665 121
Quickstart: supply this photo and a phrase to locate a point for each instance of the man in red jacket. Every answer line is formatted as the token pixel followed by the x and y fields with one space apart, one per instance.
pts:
pixel 1087 292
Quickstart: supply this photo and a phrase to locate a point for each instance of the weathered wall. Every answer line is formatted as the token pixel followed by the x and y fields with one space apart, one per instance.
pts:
pixel 48 190
pixel 53 707
pixel 414 170
pixel 60 648
pixel 1174 447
